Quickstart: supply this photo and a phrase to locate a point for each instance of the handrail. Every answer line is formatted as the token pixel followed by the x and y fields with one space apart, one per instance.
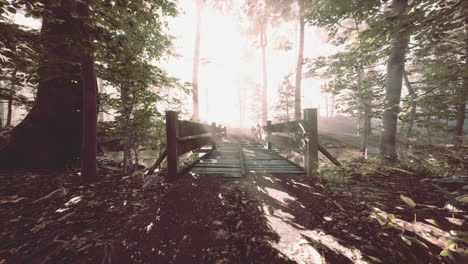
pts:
pixel 184 136
pixel 305 139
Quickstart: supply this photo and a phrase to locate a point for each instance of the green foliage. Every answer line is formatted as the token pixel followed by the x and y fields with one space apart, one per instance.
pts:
pixel 430 167
pixel 335 176
pixel 284 107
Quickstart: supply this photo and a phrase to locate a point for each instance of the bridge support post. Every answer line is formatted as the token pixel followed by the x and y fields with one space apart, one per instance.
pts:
pixel 311 152
pixel 214 130
pixel 269 146
pixel 172 135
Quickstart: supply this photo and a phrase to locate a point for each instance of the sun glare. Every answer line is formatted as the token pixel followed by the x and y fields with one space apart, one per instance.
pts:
pixel 230 63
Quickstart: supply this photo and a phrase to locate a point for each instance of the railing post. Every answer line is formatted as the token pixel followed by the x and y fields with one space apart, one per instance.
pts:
pixel 268 134
pixel 214 131
pixel 311 152
pixel 172 134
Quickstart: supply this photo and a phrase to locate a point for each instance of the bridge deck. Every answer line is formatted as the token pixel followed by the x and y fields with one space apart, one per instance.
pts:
pixel 237 157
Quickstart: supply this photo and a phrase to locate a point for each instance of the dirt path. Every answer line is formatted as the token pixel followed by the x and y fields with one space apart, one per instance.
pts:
pixel 265 218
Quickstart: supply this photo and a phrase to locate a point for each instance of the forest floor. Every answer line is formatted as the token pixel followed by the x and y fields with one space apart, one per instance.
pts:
pixel 353 216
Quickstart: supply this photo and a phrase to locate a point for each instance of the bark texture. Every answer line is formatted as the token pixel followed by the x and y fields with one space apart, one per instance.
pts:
pixel 89 138
pixel 50 135
pixel 395 68
pixel 88 77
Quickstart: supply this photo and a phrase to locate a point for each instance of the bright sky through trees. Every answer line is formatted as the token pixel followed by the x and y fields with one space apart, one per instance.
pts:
pixel 230 59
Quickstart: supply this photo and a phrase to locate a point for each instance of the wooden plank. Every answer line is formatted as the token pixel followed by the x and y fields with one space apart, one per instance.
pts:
pixel 286 143
pixel 214 129
pixel 311 153
pixel 242 161
pixel 172 133
pixel 189 144
pixel 296 126
pixel 215 170
pixel 329 155
pixel 188 128
pixel 269 146
pixel 215 165
pixel 158 162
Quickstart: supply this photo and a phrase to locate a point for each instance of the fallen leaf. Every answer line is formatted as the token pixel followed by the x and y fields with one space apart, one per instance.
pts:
pixel 217 222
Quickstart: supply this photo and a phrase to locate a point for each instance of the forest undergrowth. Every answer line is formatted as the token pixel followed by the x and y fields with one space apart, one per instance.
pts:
pixel 390 214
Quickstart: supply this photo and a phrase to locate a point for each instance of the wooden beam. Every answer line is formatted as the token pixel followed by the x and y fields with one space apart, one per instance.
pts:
pixel 158 162
pixel 286 127
pixel 329 155
pixel 189 144
pixel 269 134
pixel 287 143
pixel 172 134
pixel 188 128
pixel 311 153
pixel 214 130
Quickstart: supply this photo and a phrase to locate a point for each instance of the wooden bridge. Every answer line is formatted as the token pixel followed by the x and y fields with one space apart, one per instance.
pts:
pixel 236 155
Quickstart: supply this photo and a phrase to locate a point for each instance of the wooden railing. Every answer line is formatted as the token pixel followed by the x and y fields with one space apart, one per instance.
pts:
pixel 184 136
pixel 300 136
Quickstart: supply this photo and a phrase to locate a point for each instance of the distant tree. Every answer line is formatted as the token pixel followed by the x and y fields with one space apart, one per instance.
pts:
pixel 442 89
pixel 259 18
pixel 284 107
pixel 300 61
pixel 395 66
pixel 196 61
pixel 199 4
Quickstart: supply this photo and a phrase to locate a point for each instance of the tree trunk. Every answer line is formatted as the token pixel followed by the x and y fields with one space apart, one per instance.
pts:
pixel 326 106
pixel 50 135
pixel 366 132
pixel 263 43
pixel 332 106
pixel 9 111
pixel 395 67
pixel 429 131
pixel 300 60
pixel 89 139
pixel 2 114
pixel 461 107
pixel 135 153
pixel 412 92
pixel 196 62
pixel 125 98
pixel 100 87
pixel 90 94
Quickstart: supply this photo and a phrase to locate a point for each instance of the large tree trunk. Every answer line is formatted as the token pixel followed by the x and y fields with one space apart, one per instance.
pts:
pixel 196 62
pixel 263 44
pixel 395 68
pixel 50 135
pixel 89 139
pixel 90 110
pixel 300 60
pixel 461 107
